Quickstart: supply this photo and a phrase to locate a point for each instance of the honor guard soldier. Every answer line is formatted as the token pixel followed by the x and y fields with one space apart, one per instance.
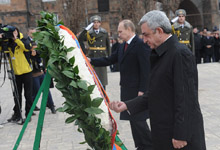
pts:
pixel 183 30
pixel 99 45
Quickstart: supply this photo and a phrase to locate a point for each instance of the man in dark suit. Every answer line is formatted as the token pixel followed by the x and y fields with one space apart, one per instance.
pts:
pixel 133 59
pixel 175 115
pixel 198 45
pixel 208 43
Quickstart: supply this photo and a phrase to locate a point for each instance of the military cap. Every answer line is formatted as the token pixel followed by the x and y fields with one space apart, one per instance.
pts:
pixel 180 12
pixel 95 18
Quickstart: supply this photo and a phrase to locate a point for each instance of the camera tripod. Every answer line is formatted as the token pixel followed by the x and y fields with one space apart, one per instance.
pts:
pixel 8 67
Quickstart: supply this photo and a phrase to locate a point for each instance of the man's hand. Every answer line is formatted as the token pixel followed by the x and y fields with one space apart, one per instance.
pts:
pixel 140 93
pixel 178 144
pixel 118 106
pixel 89 26
pixel 174 19
pixel 209 46
pixel 89 59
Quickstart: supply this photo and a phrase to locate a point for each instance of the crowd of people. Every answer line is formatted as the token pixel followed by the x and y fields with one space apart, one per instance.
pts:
pixel 204 44
pixel 207 45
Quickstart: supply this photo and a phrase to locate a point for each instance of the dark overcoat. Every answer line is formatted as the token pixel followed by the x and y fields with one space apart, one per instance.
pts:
pixel 134 71
pixel 217 49
pixel 99 46
pixel 209 41
pixel 172 98
pixel 198 46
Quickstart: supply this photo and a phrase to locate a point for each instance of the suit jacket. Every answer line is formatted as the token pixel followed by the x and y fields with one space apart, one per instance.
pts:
pixel 134 69
pixel 172 99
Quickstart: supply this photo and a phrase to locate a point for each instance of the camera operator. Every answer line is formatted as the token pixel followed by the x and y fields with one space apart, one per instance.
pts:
pixel 38 71
pixel 16 47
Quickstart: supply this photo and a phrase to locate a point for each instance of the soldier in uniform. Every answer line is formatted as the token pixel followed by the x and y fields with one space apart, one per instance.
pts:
pixel 183 30
pixel 99 45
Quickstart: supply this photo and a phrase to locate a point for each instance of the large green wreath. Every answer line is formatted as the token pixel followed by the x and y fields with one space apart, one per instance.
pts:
pixel 78 103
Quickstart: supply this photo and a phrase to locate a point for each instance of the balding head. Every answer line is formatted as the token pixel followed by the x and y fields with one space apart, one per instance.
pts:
pixel 126 30
pixel 128 24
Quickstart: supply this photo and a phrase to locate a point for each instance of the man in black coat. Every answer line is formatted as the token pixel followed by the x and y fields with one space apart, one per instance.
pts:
pixel 115 46
pixel 208 43
pixel 175 115
pixel 133 59
pixel 198 45
pixel 217 46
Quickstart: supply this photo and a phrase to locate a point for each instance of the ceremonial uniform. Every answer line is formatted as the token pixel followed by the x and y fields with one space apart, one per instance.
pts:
pixel 99 46
pixel 184 32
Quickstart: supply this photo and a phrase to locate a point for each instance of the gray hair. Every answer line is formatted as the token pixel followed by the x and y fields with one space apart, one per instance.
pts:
pixel 155 19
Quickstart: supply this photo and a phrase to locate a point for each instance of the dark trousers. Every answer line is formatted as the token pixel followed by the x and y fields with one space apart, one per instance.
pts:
pixel 141 135
pixel 26 81
pixel 208 58
pixel 198 56
pixel 217 54
pixel 37 81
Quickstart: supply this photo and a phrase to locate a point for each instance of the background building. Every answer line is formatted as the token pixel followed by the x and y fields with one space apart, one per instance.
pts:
pixel 75 14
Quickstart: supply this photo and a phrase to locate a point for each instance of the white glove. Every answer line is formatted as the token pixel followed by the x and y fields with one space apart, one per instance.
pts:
pixel 89 26
pixel 174 19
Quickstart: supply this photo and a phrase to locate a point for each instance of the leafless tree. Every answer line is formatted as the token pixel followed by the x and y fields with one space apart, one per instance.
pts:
pixel 74 14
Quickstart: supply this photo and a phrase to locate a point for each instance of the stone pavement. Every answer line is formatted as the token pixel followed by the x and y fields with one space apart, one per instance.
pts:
pixel 57 135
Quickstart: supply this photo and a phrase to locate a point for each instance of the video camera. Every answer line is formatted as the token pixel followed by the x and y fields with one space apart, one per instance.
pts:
pixel 7 31
pixel 7 35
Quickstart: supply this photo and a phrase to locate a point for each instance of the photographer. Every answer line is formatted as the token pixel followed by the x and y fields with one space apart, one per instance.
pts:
pixel 38 71
pixel 16 46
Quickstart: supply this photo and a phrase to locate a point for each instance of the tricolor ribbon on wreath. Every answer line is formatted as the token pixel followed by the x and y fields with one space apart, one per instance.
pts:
pixel 91 76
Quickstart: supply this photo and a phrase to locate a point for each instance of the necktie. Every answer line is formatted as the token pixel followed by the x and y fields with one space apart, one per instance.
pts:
pixel 96 31
pixel 126 46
